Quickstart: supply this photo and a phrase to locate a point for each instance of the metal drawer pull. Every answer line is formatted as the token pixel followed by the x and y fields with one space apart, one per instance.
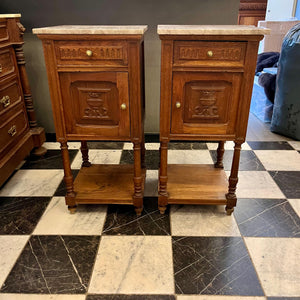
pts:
pixel 89 52
pixel 5 101
pixel 210 53
pixel 0 68
pixel 12 130
pixel 178 105
pixel 123 106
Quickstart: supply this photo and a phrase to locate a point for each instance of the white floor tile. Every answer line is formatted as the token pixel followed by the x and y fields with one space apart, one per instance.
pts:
pixel 10 248
pixel 151 184
pixel 56 146
pixel 189 157
pixel 98 157
pixel 296 206
pixel 295 144
pixel 33 183
pixel 133 265
pixel 279 160
pixel 88 219
pixel 257 184
pixel 228 146
pixel 277 262
pixel 202 220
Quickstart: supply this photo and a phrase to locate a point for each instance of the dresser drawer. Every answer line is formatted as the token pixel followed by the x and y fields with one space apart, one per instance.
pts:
pixel 3 31
pixel 6 62
pixel 96 53
pixel 10 95
pixel 12 128
pixel 208 53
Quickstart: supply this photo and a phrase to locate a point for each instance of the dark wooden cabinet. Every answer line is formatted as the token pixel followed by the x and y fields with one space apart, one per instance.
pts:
pixel 207 75
pixel 19 132
pixel 96 85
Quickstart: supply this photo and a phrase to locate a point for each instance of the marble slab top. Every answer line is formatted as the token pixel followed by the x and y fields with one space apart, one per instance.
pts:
pixel 211 29
pixel 10 16
pixel 92 29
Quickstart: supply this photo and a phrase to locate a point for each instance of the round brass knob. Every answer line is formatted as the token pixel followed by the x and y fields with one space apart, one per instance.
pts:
pixel 123 106
pixel 210 53
pixel 178 104
pixel 89 52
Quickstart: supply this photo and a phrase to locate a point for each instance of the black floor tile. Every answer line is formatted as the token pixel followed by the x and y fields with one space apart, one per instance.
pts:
pixel 122 220
pixel 105 145
pixel 51 160
pixel 151 158
pixel 186 145
pixel 61 190
pixel 267 218
pixel 130 297
pixel 19 215
pixel 248 160
pixel 282 145
pixel 53 265
pixel 213 266
pixel 288 181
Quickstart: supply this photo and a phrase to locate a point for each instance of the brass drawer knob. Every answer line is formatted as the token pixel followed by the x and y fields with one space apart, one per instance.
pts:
pixel 5 100
pixel 89 52
pixel 0 68
pixel 123 106
pixel 178 105
pixel 210 53
pixel 12 130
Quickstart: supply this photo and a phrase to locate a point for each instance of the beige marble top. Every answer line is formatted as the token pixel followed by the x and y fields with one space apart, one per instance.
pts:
pixel 10 15
pixel 92 29
pixel 211 29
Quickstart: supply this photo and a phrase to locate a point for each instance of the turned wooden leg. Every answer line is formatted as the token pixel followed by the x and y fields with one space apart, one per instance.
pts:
pixel 85 154
pixel 220 154
pixel 137 179
pixel 143 152
pixel 68 177
pixel 163 178
pixel 233 179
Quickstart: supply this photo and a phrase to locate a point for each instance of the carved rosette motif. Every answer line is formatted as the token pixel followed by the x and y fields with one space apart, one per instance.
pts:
pixel 96 108
pixel 101 52
pixel 194 53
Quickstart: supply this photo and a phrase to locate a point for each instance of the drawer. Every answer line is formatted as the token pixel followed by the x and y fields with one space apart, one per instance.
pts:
pixel 10 95
pixel 95 53
pixel 12 128
pixel 6 62
pixel 3 31
pixel 209 53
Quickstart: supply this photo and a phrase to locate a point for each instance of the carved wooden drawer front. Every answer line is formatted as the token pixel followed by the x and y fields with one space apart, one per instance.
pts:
pixel 203 53
pixel 6 62
pixel 100 53
pixel 10 95
pixel 96 104
pixel 205 103
pixel 3 31
pixel 12 128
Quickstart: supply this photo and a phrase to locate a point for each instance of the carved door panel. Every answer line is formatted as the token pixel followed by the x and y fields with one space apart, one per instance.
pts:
pixel 205 103
pixel 96 104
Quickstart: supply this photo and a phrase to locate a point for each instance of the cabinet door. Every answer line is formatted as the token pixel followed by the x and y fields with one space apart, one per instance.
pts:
pixel 205 103
pixel 96 104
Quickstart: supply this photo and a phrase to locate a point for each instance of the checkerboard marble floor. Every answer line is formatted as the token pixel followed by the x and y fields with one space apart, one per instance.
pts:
pixel 190 253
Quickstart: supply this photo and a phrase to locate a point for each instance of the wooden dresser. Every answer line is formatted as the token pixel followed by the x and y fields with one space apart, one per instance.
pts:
pixel 207 75
pixel 96 77
pixel 19 132
pixel 252 11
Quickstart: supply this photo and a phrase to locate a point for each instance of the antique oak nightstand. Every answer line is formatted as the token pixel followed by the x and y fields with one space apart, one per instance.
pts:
pixel 95 77
pixel 207 75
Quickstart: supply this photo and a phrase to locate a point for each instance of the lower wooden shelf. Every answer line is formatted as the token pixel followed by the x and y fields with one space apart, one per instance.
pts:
pixel 196 184
pixel 106 184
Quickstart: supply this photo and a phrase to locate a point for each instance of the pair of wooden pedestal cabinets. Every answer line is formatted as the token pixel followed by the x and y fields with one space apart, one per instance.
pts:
pixel 96 79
